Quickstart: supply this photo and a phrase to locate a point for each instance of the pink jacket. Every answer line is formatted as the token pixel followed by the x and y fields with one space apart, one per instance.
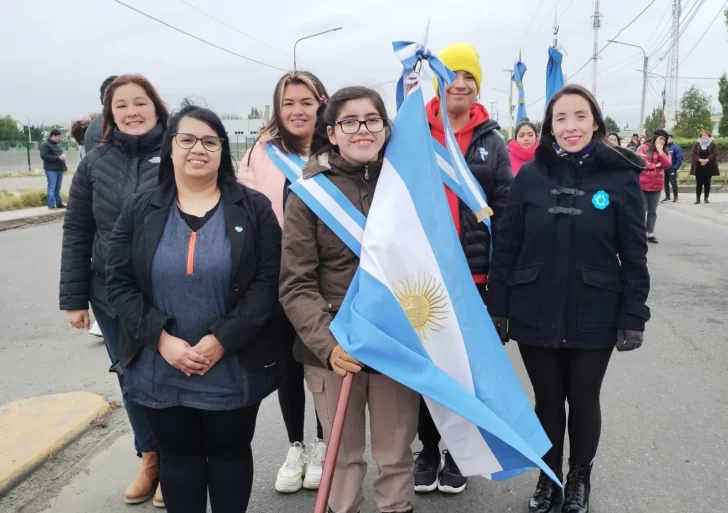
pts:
pixel 263 176
pixel 652 179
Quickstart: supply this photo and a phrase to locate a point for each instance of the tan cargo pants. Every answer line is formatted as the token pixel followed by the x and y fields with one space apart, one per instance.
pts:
pixel 393 413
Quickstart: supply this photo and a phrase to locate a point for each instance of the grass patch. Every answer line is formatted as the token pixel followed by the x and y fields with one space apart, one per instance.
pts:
pixel 27 199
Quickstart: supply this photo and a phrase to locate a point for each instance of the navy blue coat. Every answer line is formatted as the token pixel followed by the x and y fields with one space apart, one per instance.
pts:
pixel 566 272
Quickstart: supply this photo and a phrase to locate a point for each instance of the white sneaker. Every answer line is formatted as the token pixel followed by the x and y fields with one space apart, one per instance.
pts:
pixel 95 331
pixel 290 475
pixel 315 467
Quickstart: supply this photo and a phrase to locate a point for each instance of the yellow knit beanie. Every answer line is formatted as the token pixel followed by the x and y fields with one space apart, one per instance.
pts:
pixel 462 57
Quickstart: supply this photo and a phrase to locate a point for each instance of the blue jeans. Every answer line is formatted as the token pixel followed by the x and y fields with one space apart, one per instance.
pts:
pixel 143 438
pixel 55 179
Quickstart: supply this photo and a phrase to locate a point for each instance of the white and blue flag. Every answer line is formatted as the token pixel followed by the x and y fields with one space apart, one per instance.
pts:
pixel 414 314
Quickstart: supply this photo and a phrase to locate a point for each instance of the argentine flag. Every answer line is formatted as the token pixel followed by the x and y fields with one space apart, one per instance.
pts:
pixel 413 313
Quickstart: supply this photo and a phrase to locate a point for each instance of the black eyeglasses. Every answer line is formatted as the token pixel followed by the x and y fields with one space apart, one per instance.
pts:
pixel 352 126
pixel 188 141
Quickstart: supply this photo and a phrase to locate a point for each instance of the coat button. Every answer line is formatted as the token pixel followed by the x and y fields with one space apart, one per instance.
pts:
pixel 236 288
pixel 306 175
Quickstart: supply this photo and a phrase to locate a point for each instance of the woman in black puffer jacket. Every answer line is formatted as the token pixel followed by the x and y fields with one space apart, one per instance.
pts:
pixel 126 163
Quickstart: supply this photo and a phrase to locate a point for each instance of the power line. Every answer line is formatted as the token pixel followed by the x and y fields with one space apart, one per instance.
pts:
pixel 688 20
pixel 545 19
pixel 199 39
pixel 665 30
pixel 720 11
pixel 234 28
pixel 532 18
pixel 615 37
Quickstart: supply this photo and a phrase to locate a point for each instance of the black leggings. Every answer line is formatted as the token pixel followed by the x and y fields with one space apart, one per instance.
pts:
pixel 204 450
pixel 292 394
pixel 703 179
pixel 573 375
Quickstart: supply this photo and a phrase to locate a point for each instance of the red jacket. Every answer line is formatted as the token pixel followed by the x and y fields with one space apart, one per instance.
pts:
pixel 478 115
pixel 652 179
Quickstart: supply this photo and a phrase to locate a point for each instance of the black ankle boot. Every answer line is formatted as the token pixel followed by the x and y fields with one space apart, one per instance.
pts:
pixel 578 488
pixel 547 494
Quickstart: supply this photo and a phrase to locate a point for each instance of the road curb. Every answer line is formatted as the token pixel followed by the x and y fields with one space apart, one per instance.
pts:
pixel 32 430
pixel 10 224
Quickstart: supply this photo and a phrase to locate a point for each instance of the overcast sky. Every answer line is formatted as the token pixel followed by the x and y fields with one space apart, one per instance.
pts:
pixel 55 53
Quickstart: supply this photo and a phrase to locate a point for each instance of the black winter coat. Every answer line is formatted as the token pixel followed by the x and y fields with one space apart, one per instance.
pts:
pixel 488 160
pixel 106 177
pixel 50 154
pixel 566 273
pixel 253 296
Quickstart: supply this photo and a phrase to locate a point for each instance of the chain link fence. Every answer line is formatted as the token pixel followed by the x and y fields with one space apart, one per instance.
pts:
pixel 14 156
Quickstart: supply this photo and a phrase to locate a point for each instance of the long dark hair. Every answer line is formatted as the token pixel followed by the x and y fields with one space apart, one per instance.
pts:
pixel 276 129
pixel 159 106
pixel 226 172
pixel 653 148
pixel 600 135
pixel 615 134
pixel 336 103
pixel 525 122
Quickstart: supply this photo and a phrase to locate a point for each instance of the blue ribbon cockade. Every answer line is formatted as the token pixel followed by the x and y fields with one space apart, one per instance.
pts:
pixel 600 200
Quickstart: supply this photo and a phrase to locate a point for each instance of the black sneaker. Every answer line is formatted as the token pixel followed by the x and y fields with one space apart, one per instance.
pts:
pixel 53 208
pixel 427 467
pixel 652 239
pixel 665 200
pixel 451 480
pixel 675 200
pixel 707 200
pixel 61 206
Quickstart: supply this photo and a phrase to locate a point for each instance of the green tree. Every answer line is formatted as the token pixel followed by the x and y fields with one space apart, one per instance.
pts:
pixel 228 115
pixel 255 114
pixel 653 122
pixel 694 115
pixel 723 99
pixel 612 126
pixel 9 130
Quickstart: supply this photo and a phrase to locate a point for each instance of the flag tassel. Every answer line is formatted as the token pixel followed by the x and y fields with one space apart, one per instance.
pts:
pixel 332 451
pixel 484 213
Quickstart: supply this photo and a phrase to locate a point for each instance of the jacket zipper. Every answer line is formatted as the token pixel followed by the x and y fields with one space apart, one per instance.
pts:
pixel 569 280
pixel 366 172
pixel 191 254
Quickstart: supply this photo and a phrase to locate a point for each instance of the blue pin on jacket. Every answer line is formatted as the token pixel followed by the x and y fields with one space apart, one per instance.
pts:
pixel 600 200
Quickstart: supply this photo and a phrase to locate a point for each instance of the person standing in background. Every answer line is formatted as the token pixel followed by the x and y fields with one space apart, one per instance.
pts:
pixel 487 157
pixel 54 164
pixel 652 179
pixel 704 164
pixel 134 120
pixel 676 155
pixel 299 101
pixel 523 147
pixel 95 130
pixel 634 143
pixel 614 139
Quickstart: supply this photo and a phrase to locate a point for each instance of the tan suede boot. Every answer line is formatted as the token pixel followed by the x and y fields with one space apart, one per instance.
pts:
pixel 158 500
pixel 143 487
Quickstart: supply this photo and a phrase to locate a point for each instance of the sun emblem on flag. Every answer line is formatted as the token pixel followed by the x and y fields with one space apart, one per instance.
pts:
pixel 424 300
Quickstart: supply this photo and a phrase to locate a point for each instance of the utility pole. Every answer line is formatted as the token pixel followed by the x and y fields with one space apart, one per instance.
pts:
pixel 673 66
pixel 510 103
pixel 596 24
pixel 492 106
pixel 28 149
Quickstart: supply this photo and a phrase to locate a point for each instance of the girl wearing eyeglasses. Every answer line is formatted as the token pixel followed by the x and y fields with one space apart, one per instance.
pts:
pixel 193 271
pixel 317 269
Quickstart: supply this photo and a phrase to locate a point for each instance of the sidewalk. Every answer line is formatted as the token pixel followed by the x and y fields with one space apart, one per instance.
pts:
pixel 19 218
pixel 31 430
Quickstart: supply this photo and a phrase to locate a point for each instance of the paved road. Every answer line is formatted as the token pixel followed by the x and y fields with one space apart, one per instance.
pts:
pixel 664 444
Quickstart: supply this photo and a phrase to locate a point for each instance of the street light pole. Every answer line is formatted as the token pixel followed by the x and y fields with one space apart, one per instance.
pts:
pixel 510 103
pixel 309 37
pixel 644 81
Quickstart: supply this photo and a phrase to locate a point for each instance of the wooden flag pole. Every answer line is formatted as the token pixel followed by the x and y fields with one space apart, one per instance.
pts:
pixel 332 451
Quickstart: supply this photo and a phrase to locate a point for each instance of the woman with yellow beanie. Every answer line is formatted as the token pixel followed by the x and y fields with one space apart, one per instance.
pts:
pixel 488 160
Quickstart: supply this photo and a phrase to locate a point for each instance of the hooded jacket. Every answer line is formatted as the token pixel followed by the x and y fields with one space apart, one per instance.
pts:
pixel 570 267
pixel 317 267
pixel 488 160
pixel 652 179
